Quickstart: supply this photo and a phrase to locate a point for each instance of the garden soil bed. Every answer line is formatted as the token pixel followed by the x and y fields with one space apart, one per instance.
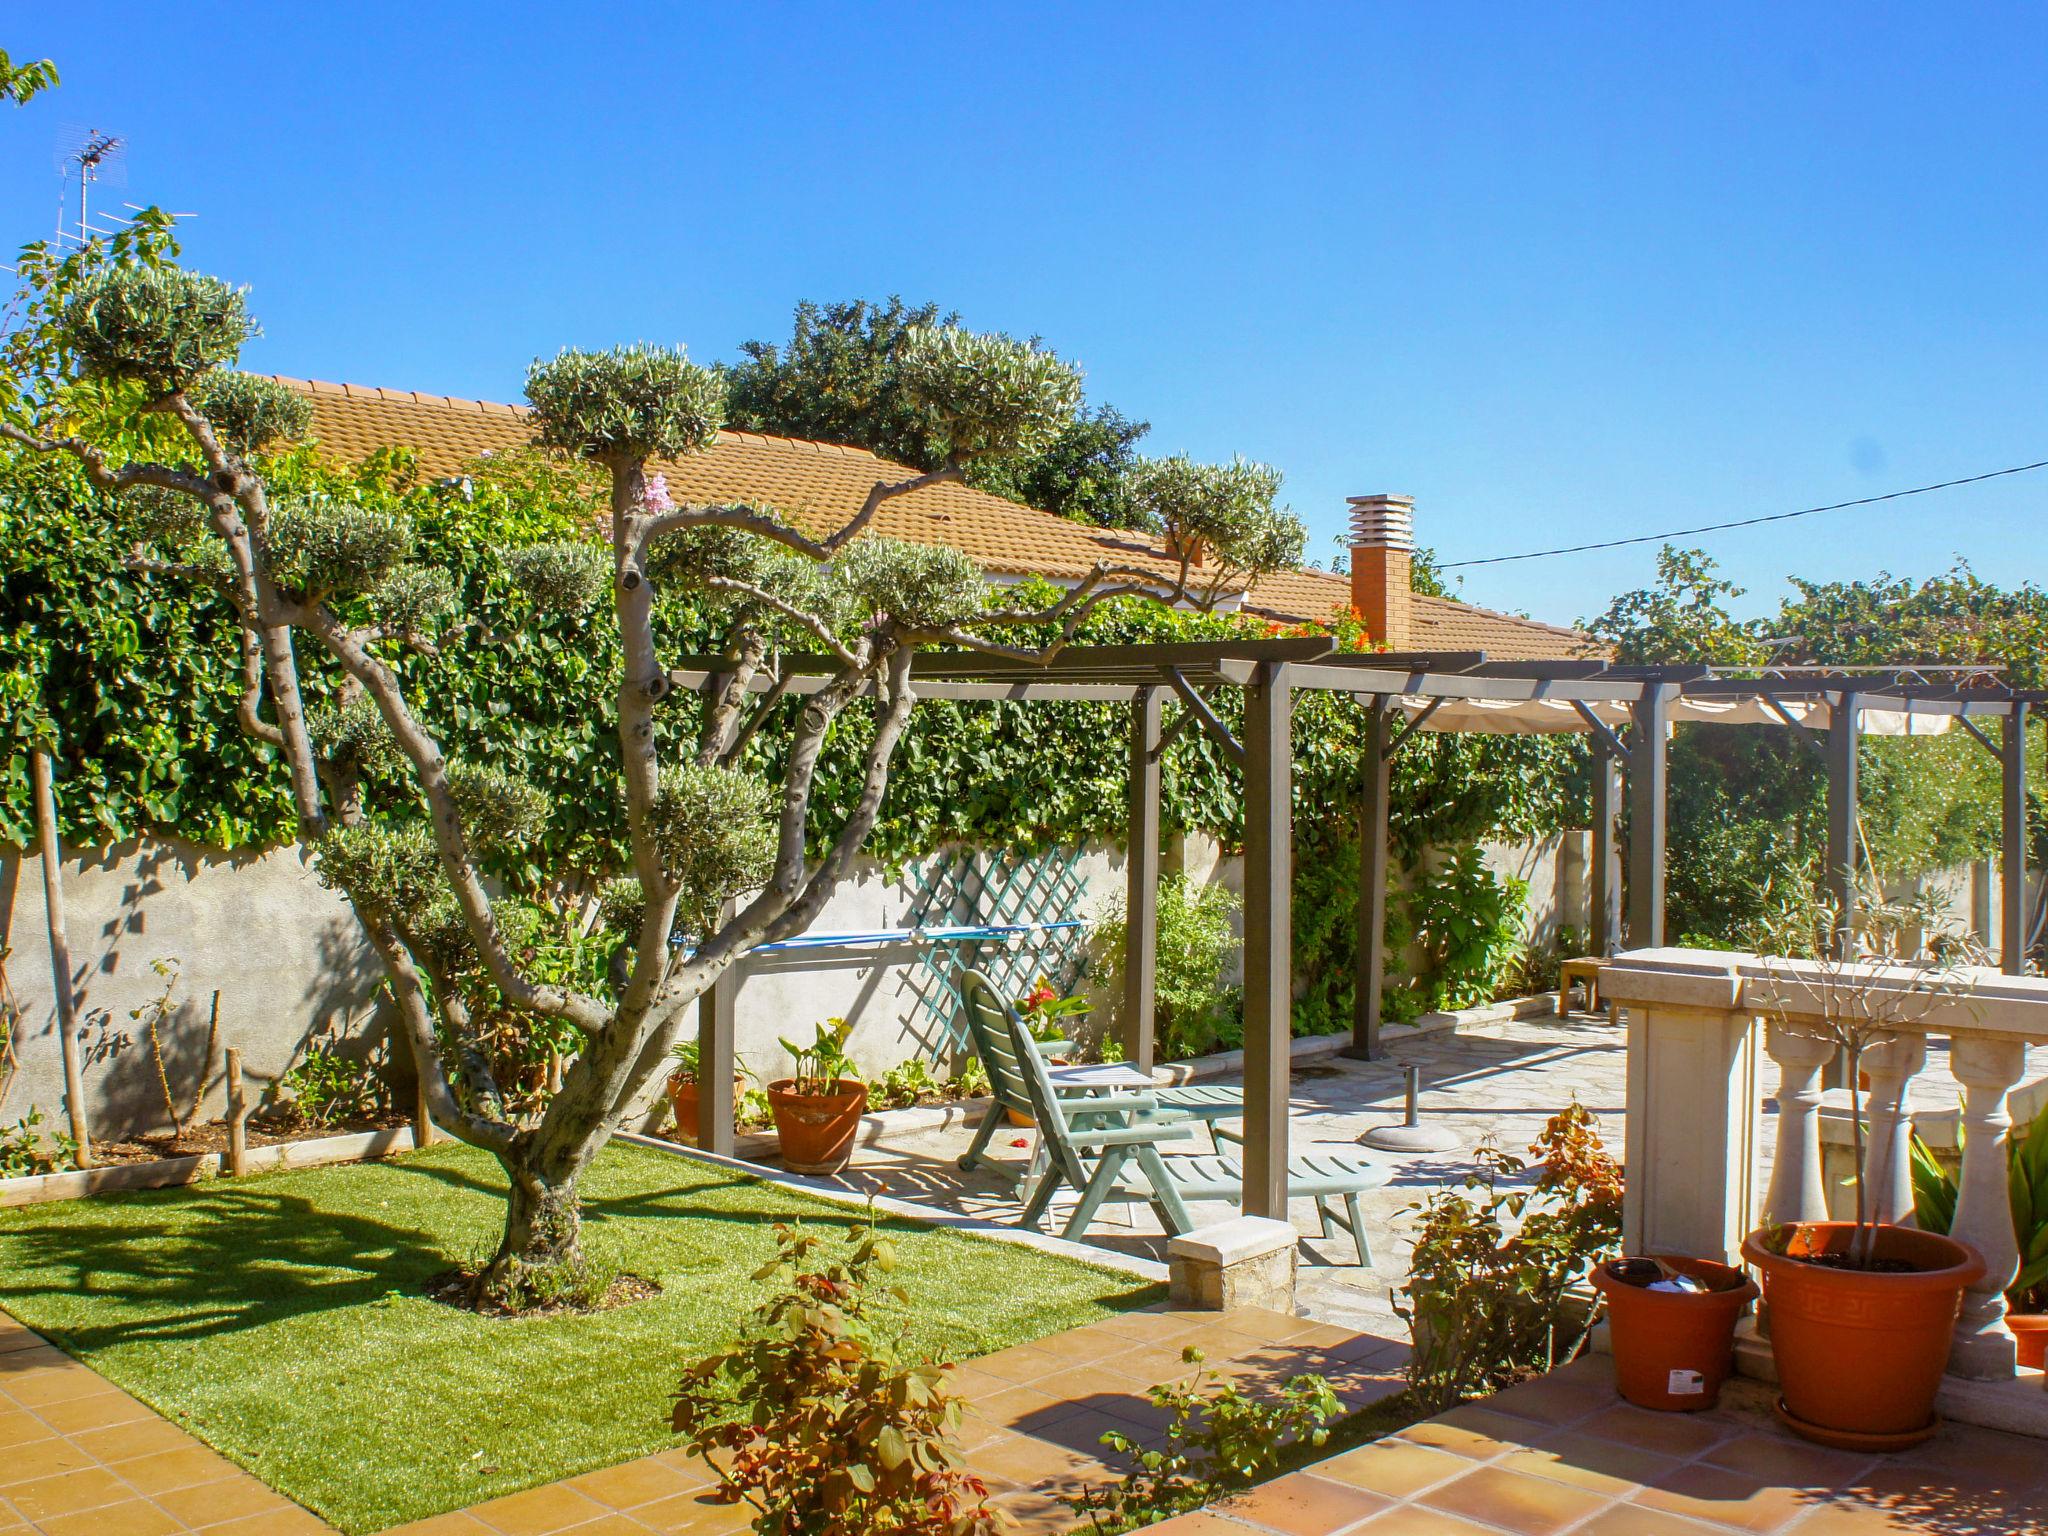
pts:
pixel 212 1137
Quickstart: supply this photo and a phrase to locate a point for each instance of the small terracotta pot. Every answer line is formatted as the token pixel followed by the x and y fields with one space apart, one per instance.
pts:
pixel 1861 1353
pixel 2031 1329
pixel 1673 1349
pixel 683 1099
pixel 817 1130
pixel 1018 1118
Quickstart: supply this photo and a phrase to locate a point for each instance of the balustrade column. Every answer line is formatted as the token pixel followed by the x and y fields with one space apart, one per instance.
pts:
pixel 1887 1171
pixel 1798 1191
pixel 1987 1066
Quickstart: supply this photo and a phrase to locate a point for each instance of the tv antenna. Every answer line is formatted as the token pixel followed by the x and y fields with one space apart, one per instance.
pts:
pixel 90 155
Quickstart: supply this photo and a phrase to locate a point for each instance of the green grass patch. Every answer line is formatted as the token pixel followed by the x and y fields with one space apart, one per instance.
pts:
pixel 280 1318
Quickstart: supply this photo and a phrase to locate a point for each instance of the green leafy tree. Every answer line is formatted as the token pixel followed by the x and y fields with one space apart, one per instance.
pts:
pixel 22 83
pixel 122 366
pixel 840 379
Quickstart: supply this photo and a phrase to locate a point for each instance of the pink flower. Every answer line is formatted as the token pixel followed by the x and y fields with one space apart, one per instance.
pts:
pixel 655 497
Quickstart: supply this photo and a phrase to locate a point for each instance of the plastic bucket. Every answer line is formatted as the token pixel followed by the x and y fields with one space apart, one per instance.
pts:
pixel 1673 1349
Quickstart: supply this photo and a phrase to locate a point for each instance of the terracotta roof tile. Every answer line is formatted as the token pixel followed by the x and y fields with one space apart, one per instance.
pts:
pixel 820 485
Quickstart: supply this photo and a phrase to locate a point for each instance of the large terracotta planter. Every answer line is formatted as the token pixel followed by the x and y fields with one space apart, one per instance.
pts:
pixel 1861 1353
pixel 1673 1349
pixel 817 1130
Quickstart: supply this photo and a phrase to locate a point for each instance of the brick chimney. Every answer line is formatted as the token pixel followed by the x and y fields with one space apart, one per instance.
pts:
pixel 1382 548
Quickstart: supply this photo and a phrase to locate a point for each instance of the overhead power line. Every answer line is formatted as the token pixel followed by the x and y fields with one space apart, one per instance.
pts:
pixel 1748 522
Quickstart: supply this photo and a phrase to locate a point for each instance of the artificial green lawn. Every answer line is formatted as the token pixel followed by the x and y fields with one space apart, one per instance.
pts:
pixel 280 1318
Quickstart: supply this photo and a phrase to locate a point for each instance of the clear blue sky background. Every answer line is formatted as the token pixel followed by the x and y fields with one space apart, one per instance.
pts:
pixel 1561 276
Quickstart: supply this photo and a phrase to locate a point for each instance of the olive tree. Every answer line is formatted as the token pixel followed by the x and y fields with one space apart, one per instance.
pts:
pixel 126 367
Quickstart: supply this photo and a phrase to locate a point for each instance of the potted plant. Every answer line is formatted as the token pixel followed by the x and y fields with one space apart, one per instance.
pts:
pixel 1862 1312
pixel 1934 1207
pixel 1045 1013
pixel 818 1109
pixel 682 1086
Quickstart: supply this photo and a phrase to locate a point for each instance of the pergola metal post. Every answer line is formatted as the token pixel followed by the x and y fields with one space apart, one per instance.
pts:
pixel 715 1016
pixel 1845 730
pixel 2012 842
pixel 1647 803
pixel 1370 957
pixel 1604 914
pixel 1141 881
pixel 1268 935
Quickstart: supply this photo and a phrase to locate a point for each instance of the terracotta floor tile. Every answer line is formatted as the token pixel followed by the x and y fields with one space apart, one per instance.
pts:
pixel 1553 1400
pixel 102 1410
pixel 138 1437
pixel 457 1524
pixel 1153 1365
pixel 690 1512
pixel 1086 1386
pixel 1014 1403
pixel 1634 1520
pixel 67 1493
pixel 284 1522
pixel 1200 1523
pixel 1414 1520
pixel 18 1426
pixel 1395 1468
pixel 1472 1431
pixel 1032 1513
pixel 41 1459
pixel 538 1511
pixel 633 1483
pixel 1532 1506
pixel 1303 1504
pixel 1084 1346
pixel 1584 1461
pixel 185 1467
pixel 38 1388
pixel 134 1517
pixel 1706 1492
pixel 2007 1460
pixel 1279 1327
pixel 1030 1463
pixel 1153 1327
pixel 1778 1458
pixel 1021 1364
pixel 614 1524
pixel 232 1498
pixel 1669 1434
pixel 1927 1493
pixel 37 1355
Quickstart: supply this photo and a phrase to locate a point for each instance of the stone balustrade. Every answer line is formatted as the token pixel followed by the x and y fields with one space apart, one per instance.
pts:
pixel 1712 1034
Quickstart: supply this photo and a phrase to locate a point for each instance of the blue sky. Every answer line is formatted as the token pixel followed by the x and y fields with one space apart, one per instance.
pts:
pixel 1561 276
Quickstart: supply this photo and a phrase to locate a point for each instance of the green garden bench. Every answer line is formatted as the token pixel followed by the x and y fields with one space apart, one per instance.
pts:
pixel 1107 1148
pixel 989 1018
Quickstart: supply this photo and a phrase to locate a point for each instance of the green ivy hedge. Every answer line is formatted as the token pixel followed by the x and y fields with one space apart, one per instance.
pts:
pixel 139 678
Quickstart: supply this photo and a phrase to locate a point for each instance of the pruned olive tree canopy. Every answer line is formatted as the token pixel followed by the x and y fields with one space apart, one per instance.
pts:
pixel 121 361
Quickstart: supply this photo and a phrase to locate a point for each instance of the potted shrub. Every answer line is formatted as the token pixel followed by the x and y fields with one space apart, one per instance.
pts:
pixel 817 1111
pixel 1934 1207
pixel 682 1087
pixel 1862 1312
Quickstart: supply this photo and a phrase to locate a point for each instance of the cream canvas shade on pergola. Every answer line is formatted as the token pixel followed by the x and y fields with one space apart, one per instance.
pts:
pixel 1627 712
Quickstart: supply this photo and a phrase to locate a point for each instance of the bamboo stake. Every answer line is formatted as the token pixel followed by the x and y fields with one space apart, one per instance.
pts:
pixel 60 953
pixel 238 1115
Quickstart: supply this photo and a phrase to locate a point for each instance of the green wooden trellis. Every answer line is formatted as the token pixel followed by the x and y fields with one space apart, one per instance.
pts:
pixel 1039 896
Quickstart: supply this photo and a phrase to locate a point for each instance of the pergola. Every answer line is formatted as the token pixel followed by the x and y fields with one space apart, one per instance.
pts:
pixel 1626 712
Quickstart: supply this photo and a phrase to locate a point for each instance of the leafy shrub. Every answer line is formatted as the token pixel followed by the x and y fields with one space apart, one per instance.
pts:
pixel 1487 1299
pixel 1934 1206
pixel 815 1420
pixel 1192 1008
pixel 26 1148
pixel 325 1088
pixel 1220 1438
pixel 1467 921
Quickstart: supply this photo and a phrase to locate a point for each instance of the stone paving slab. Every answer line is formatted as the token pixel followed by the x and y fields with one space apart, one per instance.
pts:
pixel 1563 1456
pixel 80 1457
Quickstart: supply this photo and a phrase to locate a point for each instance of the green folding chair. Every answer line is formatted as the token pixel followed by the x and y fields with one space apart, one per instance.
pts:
pixel 1107 1148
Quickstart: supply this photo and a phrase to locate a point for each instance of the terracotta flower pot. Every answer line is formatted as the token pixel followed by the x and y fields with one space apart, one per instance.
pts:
pixel 1861 1352
pixel 817 1130
pixel 2031 1329
pixel 1673 1349
pixel 683 1099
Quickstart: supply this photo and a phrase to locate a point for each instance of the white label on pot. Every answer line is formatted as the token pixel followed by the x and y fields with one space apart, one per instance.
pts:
pixel 1686 1384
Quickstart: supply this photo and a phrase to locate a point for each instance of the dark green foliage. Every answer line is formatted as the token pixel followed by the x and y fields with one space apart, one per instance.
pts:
pixel 562 576
pixel 633 402
pixel 161 327
pixel 498 810
pixel 711 826
pixel 396 867
pixel 994 396
pixel 1220 1438
pixel 323 546
pixel 929 585
pixel 837 380
pixel 413 599
pixel 249 412
pixel 354 737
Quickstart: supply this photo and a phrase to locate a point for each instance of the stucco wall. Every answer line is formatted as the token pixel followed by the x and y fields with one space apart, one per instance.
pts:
pixel 285 953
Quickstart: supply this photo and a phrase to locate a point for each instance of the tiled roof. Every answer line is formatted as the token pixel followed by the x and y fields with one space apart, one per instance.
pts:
pixel 820 485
